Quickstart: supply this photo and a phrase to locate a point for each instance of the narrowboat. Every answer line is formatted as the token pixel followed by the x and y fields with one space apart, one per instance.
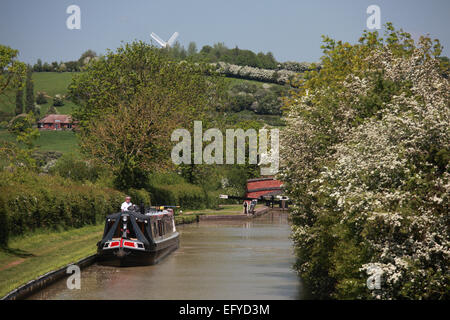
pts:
pixel 138 237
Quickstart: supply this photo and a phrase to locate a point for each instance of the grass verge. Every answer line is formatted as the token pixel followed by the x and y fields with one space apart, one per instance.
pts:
pixel 224 209
pixel 31 256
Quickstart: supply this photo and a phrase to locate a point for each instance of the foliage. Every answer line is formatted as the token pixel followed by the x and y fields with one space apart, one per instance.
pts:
pixel 19 154
pixel 254 73
pixel 261 99
pixel 131 101
pixel 12 72
pixel 20 124
pixel 40 98
pixel 365 159
pixel 58 101
pixel 19 102
pixel 29 202
pixel 219 52
pixel 186 195
pixel 29 92
pixel 139 197
pixel 71 167
pixel 52 110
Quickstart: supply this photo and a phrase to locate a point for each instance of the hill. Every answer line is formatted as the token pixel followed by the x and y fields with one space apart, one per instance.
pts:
pixel 52 83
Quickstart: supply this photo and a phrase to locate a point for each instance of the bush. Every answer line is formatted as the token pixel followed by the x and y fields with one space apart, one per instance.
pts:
pixel 58 101
pixel 4 230
pixel 187 196
pixel 76 169
pixel 139 196
pixel 40 98
pixel 29 201
pixel 20 123
pixel 242 101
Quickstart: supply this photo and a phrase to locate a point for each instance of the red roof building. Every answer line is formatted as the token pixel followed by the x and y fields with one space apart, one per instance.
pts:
pixel 56 122
pixel 263 187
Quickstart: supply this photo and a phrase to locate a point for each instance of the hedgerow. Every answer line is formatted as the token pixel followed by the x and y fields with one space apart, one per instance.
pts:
pixel 29 201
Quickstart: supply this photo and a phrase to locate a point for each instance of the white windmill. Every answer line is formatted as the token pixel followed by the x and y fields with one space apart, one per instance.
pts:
pixel 162 43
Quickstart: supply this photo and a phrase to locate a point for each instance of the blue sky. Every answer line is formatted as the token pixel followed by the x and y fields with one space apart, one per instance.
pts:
pixel 290 29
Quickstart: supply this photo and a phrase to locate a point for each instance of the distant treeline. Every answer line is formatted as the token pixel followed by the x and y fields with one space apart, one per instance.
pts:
pixel 219 52
pixel 68 66
pixel 209 54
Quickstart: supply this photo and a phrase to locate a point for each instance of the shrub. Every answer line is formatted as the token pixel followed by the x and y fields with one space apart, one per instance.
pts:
pixel 29 201
pixel 58 101
pixel 68 166
pixel 139 196
pixel 187 196
pixel 40 98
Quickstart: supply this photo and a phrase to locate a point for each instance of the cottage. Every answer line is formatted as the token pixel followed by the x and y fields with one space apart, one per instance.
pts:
pixel 56 122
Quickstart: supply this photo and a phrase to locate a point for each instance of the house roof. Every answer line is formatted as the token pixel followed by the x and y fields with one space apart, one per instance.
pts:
pixel 53 118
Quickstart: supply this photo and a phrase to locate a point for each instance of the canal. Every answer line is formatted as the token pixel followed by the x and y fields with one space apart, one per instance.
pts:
pixel 216 260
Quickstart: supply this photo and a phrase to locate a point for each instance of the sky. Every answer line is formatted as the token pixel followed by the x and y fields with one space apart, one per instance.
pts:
pixel 290 29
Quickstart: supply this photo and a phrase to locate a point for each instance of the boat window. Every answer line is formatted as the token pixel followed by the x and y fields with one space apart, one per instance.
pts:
pixel 160 228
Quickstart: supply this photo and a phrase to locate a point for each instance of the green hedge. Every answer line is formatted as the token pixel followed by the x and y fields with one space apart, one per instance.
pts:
pixel 187 196
pixel 139 196
pixel 29 202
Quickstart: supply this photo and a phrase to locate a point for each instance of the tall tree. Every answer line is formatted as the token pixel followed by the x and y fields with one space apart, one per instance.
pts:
pixel 29 91
pixel 132 100
pixel 365 158
pixel 19 101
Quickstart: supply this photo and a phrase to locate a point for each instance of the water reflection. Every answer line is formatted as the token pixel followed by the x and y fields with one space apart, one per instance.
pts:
pixel 216 260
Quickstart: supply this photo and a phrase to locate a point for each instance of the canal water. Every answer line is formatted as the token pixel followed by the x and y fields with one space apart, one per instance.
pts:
pixel 216 260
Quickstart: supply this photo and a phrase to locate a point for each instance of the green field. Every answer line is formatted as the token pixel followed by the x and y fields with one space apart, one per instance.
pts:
pixel 51 83
pixel 62 141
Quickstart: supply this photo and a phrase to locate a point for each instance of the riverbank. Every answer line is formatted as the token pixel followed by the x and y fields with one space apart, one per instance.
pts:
pixel 31 256
pixel 39 253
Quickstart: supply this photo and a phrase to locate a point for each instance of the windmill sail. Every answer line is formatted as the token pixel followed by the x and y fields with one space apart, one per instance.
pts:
pixel 161 42
pixel 172 38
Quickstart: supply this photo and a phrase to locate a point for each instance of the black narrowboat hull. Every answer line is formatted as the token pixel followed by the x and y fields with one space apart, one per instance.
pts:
pixel 126 257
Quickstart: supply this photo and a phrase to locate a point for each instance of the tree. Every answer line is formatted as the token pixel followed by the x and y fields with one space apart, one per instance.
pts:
pixel 38 66
pixel 72 66
pixel 19 154
pixel 130 102
pixel 12 71
pixel 54 66
pixel 86 56
pixel 46 67
pixel 29 91
pixel 192 49
pixel 365 155
pixel 40 98
pixel 19 102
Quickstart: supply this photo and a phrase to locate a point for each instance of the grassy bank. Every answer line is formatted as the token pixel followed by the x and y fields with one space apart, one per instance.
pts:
pixel 28 257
